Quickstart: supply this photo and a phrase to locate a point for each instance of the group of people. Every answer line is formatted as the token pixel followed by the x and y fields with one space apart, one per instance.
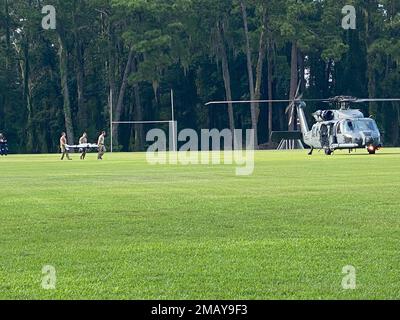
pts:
pixel 3 145
pixel 83 140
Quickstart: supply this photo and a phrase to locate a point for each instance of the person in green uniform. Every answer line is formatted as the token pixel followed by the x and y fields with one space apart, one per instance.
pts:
pixel 83 140
pixel 102 148
pixel 63 146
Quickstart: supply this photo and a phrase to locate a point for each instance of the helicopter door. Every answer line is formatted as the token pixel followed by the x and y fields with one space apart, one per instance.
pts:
pixel 339 133
pixel 324 132
pixel 332 134
pixel 315 136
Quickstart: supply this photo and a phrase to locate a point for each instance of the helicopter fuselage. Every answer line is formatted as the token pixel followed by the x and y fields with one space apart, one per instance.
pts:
pixel 340 129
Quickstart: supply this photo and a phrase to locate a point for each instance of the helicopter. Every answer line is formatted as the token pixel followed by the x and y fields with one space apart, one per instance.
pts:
pixel 341 128
pixel 336 129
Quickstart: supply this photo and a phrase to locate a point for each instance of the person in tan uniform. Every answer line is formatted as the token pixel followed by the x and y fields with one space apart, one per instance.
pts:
pixel 63 146
pixel 83 140
pixel 102 148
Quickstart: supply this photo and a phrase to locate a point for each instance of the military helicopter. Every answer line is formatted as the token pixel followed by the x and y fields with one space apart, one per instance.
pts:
pixel 342 128
pixel 337 129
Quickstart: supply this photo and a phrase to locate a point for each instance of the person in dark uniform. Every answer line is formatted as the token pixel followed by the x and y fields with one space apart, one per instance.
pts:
pixel 3 145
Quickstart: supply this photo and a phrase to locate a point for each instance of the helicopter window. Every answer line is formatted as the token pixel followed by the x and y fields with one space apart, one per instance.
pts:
pixel 366 125
pixel 348 126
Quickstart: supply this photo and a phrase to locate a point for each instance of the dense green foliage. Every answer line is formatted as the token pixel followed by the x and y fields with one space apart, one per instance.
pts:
pixel 121 229
pixel 129 54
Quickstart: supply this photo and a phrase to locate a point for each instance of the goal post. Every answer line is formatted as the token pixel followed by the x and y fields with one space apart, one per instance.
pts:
pixel 171 123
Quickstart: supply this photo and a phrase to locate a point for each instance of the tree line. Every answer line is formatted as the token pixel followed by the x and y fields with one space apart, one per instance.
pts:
pixel 128 54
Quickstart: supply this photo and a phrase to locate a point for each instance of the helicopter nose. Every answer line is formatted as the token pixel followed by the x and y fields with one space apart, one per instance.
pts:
pixel 366 137
pixel 369 140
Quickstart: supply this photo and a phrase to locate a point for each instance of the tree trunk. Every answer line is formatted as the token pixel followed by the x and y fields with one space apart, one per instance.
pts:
pixel 395 123
pixel 373 106
pixel 30 146
pixel 270 92
pixel 302 80
pixel 80 69
pixel 293 82
pixel 27 96
pixel 65 91
pixel 80 75
pixel 4 104
pixel 120 102
pixel 110 67
pixel 260 64
pixel 8 34
pixel 139 132
pixel 250 75
pixel 226 75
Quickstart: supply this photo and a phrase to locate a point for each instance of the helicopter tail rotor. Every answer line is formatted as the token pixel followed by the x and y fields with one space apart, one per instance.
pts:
pixel 291 108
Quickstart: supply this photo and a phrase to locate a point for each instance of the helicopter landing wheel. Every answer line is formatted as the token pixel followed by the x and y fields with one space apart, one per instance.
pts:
pixel 371 150
pixel 328 152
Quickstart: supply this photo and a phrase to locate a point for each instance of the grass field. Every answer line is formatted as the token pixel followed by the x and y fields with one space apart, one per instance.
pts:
pixel 122 229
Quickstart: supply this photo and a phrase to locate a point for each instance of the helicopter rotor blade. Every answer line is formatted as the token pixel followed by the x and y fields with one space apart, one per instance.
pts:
pixel 245 102
pixel 289 107
pixel 376 100
pixel 291 115
pixel 299 98
pixel 261 101
pixel 295 98
pixel 297 90
pixel 296 94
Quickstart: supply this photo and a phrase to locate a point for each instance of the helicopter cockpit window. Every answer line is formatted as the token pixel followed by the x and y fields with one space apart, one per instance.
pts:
pixel 366 125
pixel 348 126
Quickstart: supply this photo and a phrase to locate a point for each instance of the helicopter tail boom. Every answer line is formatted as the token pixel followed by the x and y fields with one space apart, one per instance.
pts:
pixel 302 118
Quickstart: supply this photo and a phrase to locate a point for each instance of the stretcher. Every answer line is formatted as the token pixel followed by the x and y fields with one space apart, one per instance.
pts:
pixel 86 146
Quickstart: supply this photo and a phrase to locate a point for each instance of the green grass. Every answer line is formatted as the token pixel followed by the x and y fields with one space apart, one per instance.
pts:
pixel 122 229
